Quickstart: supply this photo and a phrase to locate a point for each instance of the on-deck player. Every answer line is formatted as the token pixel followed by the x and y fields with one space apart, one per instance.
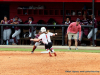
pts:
pixel 91 32
pixel 7 30
pixel 16 34
pixel 45 38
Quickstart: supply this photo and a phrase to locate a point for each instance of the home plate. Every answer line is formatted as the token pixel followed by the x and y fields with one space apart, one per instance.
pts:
pixel 45 52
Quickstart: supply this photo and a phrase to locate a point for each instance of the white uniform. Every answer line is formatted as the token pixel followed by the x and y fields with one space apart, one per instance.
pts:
pixel 16 34
pixel 91 33
pixel 45 37
pixel 49 39
pixel 49 34
pixel 7 30
pixel 95 30
pixel 30 33
pixel 6 34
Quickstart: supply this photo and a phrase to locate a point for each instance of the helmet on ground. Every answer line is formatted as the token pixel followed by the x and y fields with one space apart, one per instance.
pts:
pixel 43 29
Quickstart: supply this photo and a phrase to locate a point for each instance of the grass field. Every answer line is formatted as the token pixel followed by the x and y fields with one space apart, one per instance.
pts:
pixel 60 50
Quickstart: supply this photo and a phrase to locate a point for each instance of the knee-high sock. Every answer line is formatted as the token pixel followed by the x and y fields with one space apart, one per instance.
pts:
pixel 47 50
pixel 14 40
pixel 52 50
pixel 18 41
pixel 34 47
pixel 90 39
pixel 95 42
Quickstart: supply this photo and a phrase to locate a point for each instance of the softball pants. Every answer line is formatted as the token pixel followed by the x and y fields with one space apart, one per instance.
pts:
pixel 91 33
pixel 17 34
pixel 6 34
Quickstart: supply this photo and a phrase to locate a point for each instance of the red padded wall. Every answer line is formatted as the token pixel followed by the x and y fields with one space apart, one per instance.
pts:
pixel 59 19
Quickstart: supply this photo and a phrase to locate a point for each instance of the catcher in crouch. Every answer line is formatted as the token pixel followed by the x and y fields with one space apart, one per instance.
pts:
pixel 45 39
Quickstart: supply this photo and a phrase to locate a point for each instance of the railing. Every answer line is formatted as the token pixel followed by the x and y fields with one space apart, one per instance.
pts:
pixel 40 25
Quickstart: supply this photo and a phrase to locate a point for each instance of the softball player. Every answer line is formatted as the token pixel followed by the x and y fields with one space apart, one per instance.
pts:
pixel 66 23
pixel 7 30
pixel 37 43
pixel 45 38
pixel 30 21
pixel 16 34
pixel 91 32
pixel 85 21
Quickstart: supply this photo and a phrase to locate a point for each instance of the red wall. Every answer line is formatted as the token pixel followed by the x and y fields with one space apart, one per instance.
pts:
pixel 13 11
pixel 49 0
pixel 59 19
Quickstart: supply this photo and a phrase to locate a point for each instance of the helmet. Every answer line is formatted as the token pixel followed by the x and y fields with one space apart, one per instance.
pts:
pixel 43 29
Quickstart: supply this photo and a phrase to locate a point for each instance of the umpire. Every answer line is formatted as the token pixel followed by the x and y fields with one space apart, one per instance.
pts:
pixel 73 29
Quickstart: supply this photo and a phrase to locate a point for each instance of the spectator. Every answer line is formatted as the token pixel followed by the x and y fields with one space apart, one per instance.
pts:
pixel 7 30
pixel 30 21
pixel 18 19
pixel 67 23
pixel 91 32
pixel 85 21
pixel 85 30
pixel 72 31
pixel 16 34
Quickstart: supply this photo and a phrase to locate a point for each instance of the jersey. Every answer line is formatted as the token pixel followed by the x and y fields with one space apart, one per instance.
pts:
pixel 16 27
pixel 8 22
pixel 86 29
pixel 46 37
pixel 37 36
pixel 49 34
pixel 67 23
pixel 32 22
pixel 95 23
pixel 85 22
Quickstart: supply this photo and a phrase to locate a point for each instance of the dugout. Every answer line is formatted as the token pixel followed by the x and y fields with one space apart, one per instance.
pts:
pixel 46 9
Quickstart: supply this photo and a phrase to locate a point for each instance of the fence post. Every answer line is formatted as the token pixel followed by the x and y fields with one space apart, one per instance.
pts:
pixel 32 36
pixel 93 21
pixel 1 34
pixel 62 36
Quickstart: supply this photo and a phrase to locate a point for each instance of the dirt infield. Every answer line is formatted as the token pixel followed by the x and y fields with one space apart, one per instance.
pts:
pixel 25 63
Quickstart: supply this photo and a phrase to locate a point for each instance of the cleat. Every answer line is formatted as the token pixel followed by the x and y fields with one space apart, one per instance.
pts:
pixel 50 54
pixel 69 48
pixel 76 48
pixel 55 54
pixel 32 52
